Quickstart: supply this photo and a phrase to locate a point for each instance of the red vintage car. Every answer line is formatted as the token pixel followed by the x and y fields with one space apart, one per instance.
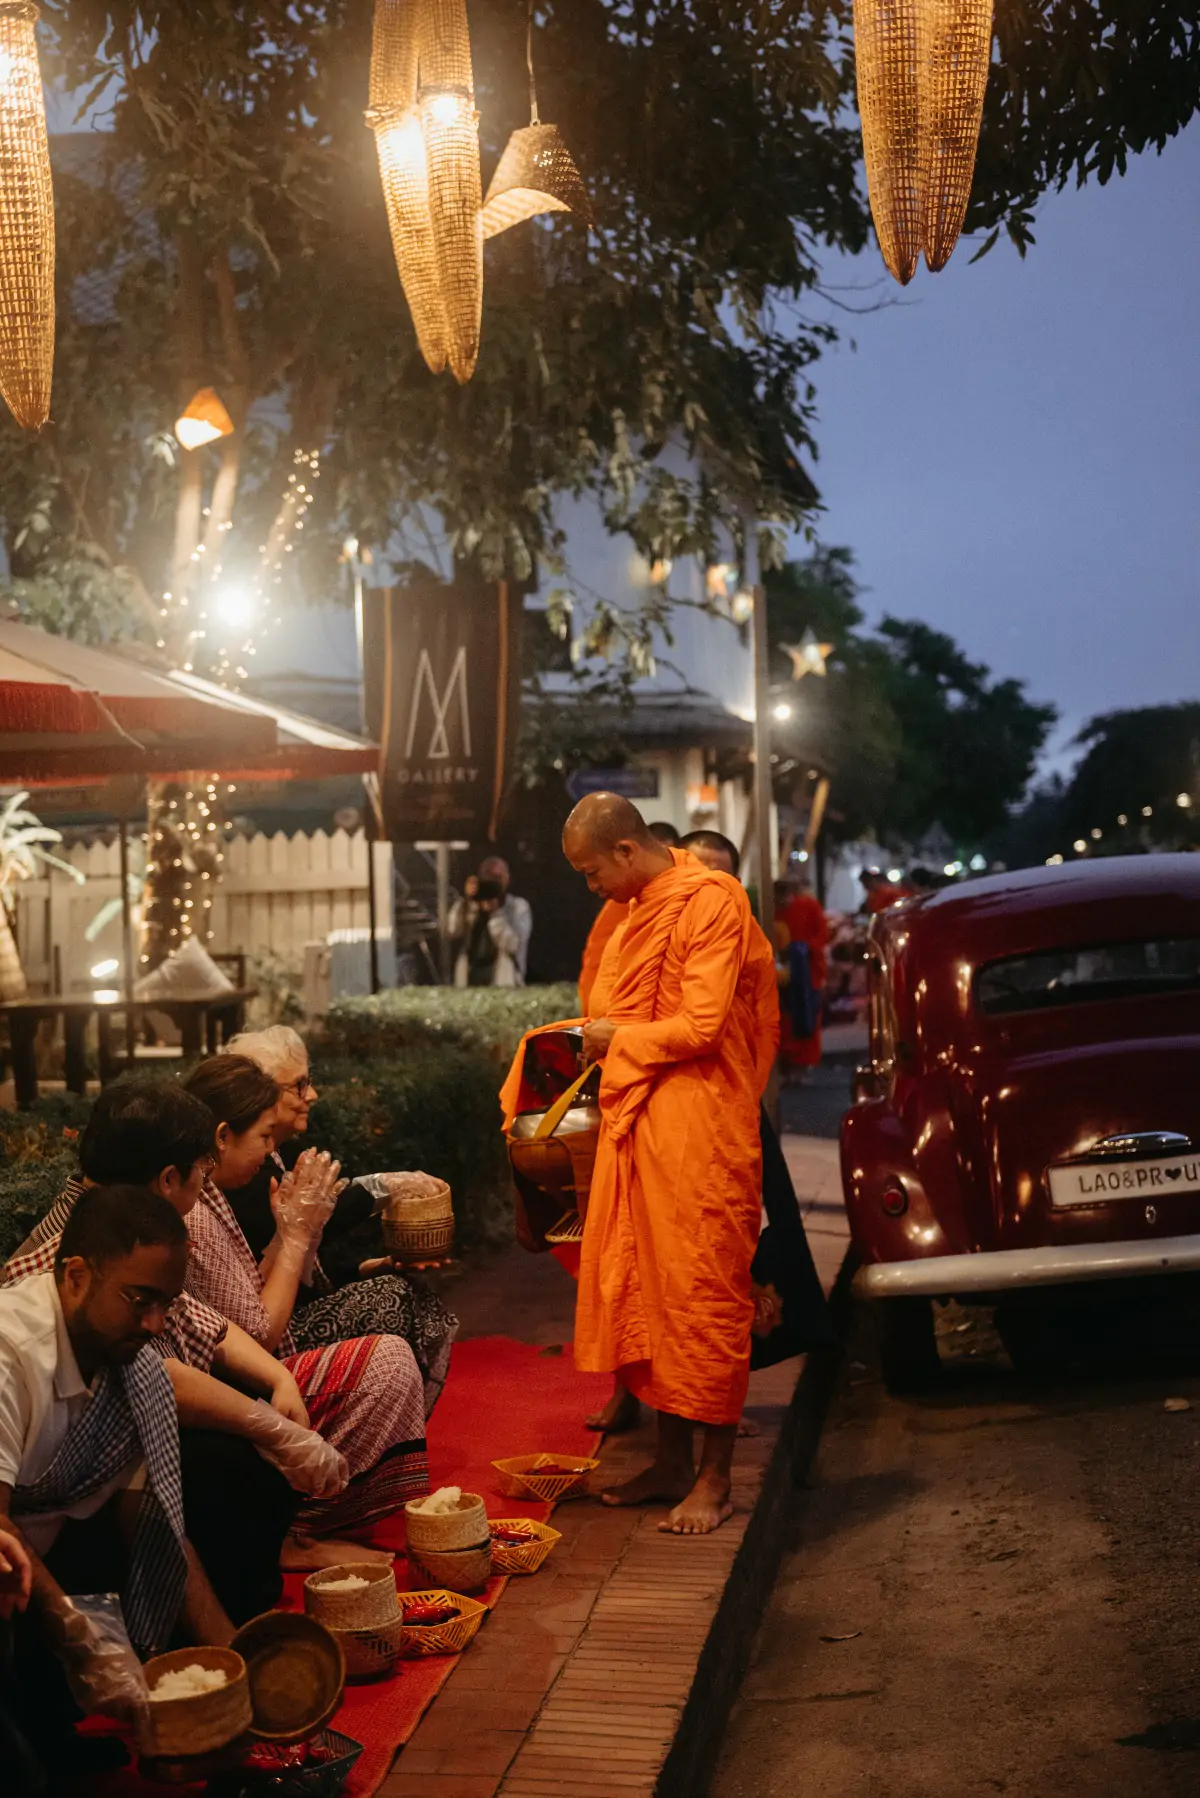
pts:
pixel 1029 1117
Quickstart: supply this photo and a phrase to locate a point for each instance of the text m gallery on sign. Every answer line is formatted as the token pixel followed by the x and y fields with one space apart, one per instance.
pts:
pixel 443 692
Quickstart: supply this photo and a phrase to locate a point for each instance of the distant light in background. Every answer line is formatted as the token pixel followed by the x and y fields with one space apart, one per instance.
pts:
pixel 781 711
pixel 235 606
pixel 895 875
pixel 204 420
pixel 978 863
pixel 1080 846
pixel 103 968
pixel 1054 861
pixel 1184 800
pixel 953 868
pixel 105 995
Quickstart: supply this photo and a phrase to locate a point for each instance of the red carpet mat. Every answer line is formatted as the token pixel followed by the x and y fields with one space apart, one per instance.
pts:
pixel 502 1398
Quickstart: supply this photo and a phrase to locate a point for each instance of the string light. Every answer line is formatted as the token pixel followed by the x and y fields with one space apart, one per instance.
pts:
pixel 1083 845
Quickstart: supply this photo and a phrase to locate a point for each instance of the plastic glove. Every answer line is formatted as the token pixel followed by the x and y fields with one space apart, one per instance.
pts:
pixel 305 1198
pixel 103 1672
pixel 307 1462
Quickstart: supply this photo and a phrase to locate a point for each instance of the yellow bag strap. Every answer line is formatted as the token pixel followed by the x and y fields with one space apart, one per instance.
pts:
pixel 560 1107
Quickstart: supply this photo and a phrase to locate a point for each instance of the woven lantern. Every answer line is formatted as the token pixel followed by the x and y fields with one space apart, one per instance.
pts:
pixel 922 69
pixel 400 143
pixel 204 420
pixel 26 223
pixel 427 134
pixel 955 48
pixel 446 104
pixel 536 172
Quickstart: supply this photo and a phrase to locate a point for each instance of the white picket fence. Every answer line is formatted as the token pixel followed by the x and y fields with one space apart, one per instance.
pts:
pixel 277 894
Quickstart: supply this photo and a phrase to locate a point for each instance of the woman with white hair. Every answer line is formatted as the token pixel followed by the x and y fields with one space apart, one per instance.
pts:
pixel 388 1303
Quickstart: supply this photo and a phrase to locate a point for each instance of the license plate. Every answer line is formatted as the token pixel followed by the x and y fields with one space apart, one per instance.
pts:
pixel 1100 1182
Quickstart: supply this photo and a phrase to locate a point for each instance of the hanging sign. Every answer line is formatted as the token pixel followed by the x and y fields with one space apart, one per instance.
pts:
pixel 630 783
pixel 443 695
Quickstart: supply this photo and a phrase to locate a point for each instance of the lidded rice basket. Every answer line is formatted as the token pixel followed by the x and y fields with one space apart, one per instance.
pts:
pixel 175 1728
pixel 418 1217
pixel 450 1548
pixel 364 1607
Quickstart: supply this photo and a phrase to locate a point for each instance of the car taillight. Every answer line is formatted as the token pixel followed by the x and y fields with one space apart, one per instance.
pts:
pixel 894 1199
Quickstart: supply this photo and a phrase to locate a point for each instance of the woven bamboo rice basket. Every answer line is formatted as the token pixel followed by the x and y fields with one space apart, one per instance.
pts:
pixel 441 1638
pixel 519 1477
pixel 419 1229
pixel 443 1531
pixel 457 1569
pixel 400 143
pixel 528 1556
pixel 171 1728
pixel 954 48
pixel 368 1607
pixel 26 224
pixel 446 103
pixel 369 1653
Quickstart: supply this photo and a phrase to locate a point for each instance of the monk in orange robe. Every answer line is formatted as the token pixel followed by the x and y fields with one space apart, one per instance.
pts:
pixel 674 1209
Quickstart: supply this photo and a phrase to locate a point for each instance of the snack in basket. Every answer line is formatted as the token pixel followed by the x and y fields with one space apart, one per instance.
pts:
pixel 424 1612
pixel 507 1533
pixel 555 1467
pixel 265 1757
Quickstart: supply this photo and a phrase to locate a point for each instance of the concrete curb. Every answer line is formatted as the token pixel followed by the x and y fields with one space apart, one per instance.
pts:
pixel 691 1760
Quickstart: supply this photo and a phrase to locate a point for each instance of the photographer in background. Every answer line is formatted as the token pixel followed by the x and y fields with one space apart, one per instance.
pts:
pixel 485 942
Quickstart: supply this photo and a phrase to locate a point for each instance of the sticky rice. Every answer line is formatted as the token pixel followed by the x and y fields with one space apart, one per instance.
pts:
pixel 189 1682
pixel 353 1582
pixel 441 1502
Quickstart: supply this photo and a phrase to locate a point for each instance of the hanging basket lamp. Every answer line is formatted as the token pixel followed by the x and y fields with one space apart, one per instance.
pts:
pixel 922 68
pixel 204 420
pixel 426 129
pixel 536 173
pixel 26 223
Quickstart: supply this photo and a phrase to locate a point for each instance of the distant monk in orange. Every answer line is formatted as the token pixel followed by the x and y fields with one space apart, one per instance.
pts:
pixel 674 1209
pixel 607 918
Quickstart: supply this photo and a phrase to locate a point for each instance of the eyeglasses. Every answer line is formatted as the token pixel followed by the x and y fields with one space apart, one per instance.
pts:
pixel 143 1305
pixel 301 1086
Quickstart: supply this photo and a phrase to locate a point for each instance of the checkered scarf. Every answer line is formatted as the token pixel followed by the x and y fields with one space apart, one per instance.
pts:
pixel 132 1414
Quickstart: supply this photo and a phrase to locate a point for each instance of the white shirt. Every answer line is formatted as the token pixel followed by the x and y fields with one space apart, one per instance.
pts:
pixel 42 1393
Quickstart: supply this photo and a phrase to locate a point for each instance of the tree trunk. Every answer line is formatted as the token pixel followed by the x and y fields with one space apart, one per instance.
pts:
pixel 13 984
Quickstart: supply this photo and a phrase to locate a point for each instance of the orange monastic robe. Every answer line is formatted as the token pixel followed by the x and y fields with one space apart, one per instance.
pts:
pixel 610 915
pixel 674 1210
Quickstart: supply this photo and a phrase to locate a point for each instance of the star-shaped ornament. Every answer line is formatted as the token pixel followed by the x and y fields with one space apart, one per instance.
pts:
pixel 808 656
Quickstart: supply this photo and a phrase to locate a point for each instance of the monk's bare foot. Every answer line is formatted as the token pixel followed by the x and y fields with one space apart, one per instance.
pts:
pixel 306 1554
pixel 748 1427
pixel 703 1510
pixel 657 1484
pixel 620 1413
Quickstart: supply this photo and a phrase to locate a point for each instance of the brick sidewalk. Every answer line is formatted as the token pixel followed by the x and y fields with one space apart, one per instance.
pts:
pixel 582 1675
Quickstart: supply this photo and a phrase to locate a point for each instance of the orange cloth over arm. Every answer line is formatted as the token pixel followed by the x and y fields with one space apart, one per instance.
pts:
pixel 675 1206
pixel 608 918
pixel 765 1001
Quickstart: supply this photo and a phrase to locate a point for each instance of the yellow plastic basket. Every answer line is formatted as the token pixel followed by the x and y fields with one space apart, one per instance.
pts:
pixel 520 1478
pixel 524 1557
pixel 441 1638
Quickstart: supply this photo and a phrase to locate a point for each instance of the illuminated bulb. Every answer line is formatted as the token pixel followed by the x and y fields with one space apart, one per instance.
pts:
pixel 103 968
pixel 446 108
pixel 235 606
pixel 895 874
pixel 781 711
pixel 1184 800
pixel 1080 845
pixel 1054 861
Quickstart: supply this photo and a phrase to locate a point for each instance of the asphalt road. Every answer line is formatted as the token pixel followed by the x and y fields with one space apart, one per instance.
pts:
pixel 993 1589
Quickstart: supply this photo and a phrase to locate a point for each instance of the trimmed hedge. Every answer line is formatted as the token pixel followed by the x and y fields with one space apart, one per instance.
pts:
pixel 436 1110
pixel 37 1157
pixel 489 1019
pixel 418 1107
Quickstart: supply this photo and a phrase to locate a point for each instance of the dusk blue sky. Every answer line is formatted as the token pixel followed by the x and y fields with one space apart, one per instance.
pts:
pixel 1013 449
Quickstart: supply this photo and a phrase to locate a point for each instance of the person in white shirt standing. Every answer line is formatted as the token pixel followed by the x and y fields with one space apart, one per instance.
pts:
pixel 89 1459
pixel 517 913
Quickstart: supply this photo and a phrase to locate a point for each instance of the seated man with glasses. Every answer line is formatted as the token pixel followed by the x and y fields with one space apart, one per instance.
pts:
pixel 90 1482
pixel 152 1134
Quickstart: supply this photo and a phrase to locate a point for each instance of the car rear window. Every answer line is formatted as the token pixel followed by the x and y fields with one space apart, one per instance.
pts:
pixel 1076 975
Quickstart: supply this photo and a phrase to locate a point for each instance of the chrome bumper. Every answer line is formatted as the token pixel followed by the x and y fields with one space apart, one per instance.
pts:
pixel 953 1276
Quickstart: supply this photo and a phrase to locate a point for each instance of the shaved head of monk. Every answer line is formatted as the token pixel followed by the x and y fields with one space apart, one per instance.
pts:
pixel 609 842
